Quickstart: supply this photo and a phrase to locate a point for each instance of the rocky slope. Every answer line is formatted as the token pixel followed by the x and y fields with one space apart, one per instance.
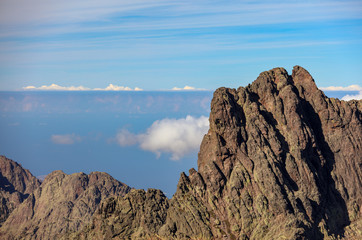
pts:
pixel 280 161
pixel 138 215
pixel 16 183
pixel 62 204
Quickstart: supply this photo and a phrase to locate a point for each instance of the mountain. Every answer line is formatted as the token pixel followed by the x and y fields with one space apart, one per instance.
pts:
pixel 16 183
pixel 61 204
pixel 280 161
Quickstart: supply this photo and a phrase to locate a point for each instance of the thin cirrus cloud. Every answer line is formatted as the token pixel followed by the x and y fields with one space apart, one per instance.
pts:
pixel 65 139
pixel 177 137
pixel 55 87
pixel 184 14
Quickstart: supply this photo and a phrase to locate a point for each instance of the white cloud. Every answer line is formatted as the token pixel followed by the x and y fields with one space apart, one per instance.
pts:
pixel 126 138
pixel 112 87
pixel 339 88
pixel 186 88
pixel 176 136
pixel 65 139
pixel 29 88
pixel 350 97
pixel 55 87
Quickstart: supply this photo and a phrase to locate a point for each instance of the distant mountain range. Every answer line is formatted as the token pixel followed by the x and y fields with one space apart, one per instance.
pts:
pixel 280 161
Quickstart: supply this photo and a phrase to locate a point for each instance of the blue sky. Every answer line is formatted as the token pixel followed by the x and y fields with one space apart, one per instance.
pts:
pixel 145 137
pixel 157 45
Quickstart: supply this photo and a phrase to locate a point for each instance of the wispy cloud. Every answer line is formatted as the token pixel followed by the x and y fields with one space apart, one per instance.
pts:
pixel 351 97
pixel 55 87
pixel 340 88
pixel 175 15
pixel 175 136
pixel 65 139
pixel 126 138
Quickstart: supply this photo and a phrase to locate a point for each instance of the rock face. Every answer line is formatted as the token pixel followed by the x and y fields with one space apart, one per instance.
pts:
pixel 16 183
pixel 138 215
pixel 62 204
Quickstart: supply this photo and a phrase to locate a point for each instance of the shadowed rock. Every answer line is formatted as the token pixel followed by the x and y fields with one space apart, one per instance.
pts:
pixel 16 183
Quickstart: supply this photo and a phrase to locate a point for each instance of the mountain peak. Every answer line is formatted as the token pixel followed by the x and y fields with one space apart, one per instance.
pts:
pixel 279 146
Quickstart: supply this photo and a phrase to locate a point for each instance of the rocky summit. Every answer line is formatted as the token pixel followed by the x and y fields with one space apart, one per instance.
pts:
pixel 61 204
pixel 280 161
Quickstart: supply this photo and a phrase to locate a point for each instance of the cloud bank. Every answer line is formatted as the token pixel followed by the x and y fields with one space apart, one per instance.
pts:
pixel 186 88
pixel 110 87
pixel 355 97
pixel 66 139
pixel 175 136
pixel 339 88
pixel 55 87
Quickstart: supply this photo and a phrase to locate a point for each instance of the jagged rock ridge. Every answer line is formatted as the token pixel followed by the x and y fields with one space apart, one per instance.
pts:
pixel 61 204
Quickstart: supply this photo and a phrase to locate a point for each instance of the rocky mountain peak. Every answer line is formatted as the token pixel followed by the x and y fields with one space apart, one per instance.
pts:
pixel 279 146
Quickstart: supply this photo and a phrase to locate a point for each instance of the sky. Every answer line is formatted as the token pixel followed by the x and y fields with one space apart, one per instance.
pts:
pixel 163 44
pixel 125 86
pixel 142 138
